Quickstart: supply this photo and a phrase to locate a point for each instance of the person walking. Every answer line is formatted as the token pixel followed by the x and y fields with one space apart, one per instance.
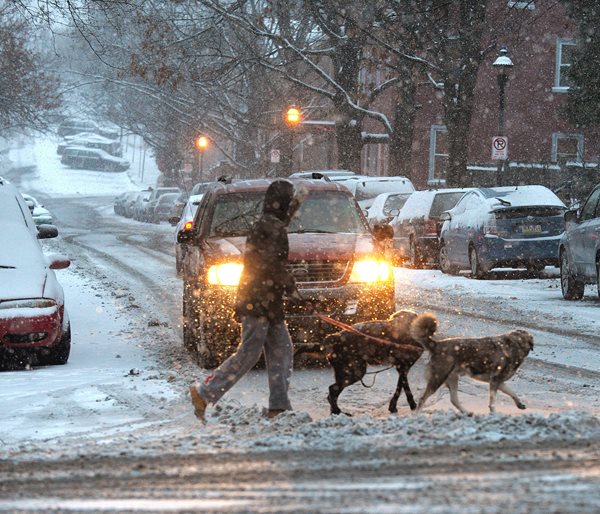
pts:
pixel 259 305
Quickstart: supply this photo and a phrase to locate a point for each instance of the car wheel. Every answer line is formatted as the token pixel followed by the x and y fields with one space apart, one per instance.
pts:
pixel 445 265
pixel 572 289
pixel 414 255
pixel 59 354
pixel 478 270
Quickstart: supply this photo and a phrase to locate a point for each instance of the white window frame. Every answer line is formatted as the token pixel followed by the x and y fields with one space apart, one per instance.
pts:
pixel 560 67
pixel 556 136
pixel 433 132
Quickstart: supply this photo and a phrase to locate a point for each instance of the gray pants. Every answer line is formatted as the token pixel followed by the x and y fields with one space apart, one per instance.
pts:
pixel 257 335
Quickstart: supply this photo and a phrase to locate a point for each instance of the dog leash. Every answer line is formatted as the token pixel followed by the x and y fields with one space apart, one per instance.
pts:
pixel 350 328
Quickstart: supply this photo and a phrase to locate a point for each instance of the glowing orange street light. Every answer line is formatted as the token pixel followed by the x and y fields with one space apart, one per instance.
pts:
pixel 201 143
pixel 293 116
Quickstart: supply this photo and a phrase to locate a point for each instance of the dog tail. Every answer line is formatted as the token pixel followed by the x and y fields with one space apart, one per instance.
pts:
pixel 423 328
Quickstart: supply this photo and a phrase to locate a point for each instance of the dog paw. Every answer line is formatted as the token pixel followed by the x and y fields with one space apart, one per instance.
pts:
pixel 521 406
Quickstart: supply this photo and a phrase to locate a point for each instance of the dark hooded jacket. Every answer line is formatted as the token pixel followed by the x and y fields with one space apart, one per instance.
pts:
pixel 266 279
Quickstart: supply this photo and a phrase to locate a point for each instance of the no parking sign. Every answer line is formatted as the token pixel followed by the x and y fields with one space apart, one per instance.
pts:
pixel 500 148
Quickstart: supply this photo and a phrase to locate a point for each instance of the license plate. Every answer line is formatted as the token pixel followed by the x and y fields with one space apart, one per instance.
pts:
pixel 531 229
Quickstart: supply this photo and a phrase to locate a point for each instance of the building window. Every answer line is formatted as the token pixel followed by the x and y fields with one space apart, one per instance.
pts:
pixel 530 6
pixel 565 49
pixel 438 153
pixel 375 157
pixel 567 147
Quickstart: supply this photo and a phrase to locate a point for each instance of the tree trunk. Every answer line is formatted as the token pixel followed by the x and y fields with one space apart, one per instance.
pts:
pixel 403 128
pixel 349 143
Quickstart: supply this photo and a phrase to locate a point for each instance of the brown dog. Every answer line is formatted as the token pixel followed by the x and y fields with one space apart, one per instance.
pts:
pixel 492 359
pixel 349 355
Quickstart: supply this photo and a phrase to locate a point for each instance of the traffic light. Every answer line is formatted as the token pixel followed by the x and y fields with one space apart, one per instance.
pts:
pixel 201 143
pixel 293 116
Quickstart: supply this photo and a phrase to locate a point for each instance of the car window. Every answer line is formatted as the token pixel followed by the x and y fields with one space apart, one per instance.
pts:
pixel 394 202
pixel 235 213
pixel 330 213
pixel 321 212
pixel 443 202
pixel 590 209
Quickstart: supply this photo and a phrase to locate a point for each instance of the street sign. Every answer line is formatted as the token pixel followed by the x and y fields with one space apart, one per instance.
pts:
pixel 499 148
pixel 275 155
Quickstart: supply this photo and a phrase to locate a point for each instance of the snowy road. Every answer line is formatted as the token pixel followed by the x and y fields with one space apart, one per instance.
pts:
pixel 113 431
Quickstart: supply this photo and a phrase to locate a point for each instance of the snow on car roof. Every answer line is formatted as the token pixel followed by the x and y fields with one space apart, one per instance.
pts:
pixel 419 202
pixel 261 184
pixel 520 196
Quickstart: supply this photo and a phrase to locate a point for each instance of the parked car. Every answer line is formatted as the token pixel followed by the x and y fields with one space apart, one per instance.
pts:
pixel 516 226
pixel 200 188
pixel 417 226
pixel 92 159
pixel 385 206
pixel 164 206
pixel 366 189
pixel 119 203
pixel 41 215
pixel 184 223
pixel 146 212
pixel 333 255
pixel 89 140
pixel 579 250
pixel 33 319
pixel 75 126
pixel 139 204
pixel 178 205
pixel 129 203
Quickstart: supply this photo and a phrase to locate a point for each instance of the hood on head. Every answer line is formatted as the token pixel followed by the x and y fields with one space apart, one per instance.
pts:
pixel 278 197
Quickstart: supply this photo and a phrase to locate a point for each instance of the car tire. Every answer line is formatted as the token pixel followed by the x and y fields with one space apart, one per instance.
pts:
pixel 444 260
pixel 59 353
pixel 415 258
pixel 478 270
pixel 572 289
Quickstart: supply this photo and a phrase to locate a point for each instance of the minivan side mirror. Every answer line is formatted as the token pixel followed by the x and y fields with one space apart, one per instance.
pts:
pixel 445 216
pixel 46 231
pixel 382 231
pixel 571 216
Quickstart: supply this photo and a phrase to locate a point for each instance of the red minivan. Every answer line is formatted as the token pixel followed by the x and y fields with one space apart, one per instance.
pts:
pixel 333 256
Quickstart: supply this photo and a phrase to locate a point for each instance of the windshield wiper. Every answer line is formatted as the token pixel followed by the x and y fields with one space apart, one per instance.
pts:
pixel 7 267
pixel 311 231
pixel 504 202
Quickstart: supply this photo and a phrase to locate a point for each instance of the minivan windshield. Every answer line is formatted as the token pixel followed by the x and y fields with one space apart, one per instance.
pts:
pixel 322 212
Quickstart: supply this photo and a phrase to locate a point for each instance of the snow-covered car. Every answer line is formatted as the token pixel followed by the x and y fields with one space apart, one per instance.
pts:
pixel 385 206
pixel 92 159
pixel 164 206
pixel 337 262
pixel 75 126
pixel 40 214
pixel 417 226
pixel 33 319
pixel 89 140
pixel 145 212
pixel 579 249
pixel 184 223
pixel 514 226
pixel 366 189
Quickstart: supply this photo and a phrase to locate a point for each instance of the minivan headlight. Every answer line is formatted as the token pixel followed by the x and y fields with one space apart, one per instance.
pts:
pixel 28 303
pixel 370 271
pixel 225 274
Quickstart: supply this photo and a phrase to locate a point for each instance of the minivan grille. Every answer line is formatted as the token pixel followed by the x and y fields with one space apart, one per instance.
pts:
pixel 318 271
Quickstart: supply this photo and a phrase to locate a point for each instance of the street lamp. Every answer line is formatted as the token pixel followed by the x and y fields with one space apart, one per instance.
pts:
pixel 201 143
pixel 293 116
pixel 503 65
